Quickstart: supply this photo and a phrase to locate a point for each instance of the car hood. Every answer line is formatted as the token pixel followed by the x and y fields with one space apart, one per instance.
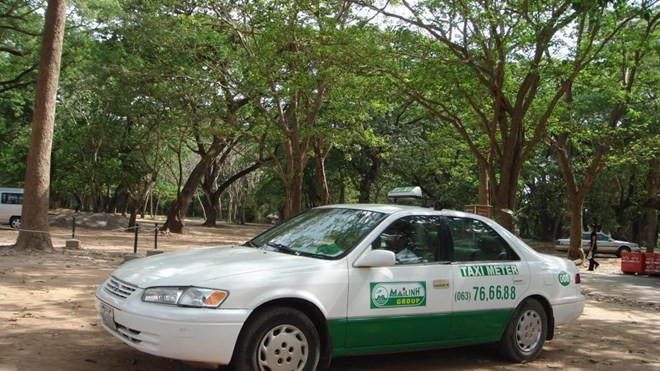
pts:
pixel 196 266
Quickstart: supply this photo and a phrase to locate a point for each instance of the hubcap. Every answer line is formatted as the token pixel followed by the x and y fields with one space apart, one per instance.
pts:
pixel 528 331
pixel 284 348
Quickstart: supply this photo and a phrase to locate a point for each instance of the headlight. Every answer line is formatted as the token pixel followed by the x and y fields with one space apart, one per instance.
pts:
pixel 185 296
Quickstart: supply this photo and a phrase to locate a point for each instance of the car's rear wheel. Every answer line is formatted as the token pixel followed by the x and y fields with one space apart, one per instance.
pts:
pixel 622 249
pixel 525 335
pixel 278 338
pixel 15 222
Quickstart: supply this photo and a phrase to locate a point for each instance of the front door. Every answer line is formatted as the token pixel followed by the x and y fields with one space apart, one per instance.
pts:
pixel 407 305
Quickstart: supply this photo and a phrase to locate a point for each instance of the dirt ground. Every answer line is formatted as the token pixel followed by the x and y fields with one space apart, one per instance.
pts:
pixel 48 320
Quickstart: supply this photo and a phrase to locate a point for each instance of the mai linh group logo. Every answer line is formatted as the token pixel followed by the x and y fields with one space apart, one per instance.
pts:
pixel 398 294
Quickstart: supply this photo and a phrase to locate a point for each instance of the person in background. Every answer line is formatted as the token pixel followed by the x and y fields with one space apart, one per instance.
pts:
pixel 593 247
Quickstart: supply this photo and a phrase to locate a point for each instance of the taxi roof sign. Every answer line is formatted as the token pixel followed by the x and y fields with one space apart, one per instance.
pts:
pixel 406 193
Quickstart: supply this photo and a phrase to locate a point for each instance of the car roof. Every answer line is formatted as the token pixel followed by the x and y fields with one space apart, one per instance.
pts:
pixel 395 208
pixel 381 208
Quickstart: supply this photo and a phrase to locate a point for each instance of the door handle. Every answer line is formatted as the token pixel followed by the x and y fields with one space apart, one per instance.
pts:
pixel 440 284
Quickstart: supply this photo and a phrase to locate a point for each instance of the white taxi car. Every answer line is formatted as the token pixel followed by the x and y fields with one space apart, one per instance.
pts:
pixel 344 280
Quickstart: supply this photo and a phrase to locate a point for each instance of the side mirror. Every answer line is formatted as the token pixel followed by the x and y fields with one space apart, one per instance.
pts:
pixel 376 258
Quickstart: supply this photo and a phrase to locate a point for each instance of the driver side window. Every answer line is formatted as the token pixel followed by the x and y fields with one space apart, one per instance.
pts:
pixel 413 239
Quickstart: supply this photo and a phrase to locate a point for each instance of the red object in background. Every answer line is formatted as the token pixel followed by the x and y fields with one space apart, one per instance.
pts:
pixel 632 262
pixel 651 263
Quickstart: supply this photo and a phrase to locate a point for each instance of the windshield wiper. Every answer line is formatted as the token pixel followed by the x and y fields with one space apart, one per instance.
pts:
pixel 283 248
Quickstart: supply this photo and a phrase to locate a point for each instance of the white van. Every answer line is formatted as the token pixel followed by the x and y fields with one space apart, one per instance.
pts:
pixel 11 206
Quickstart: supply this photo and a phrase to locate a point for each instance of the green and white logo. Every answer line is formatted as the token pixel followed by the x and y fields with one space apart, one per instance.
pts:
pixel 398 294
pixel 564 278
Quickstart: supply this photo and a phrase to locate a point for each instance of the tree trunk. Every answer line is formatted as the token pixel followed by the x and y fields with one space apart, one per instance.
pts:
pixel 132 219
pixel 133 206
pixel 293 193
pixel 209 186
pixel 175 217
pixel 576 194
pixel 484 189
pixel 324 196
pixel 546 229
pixel 293 174
pixel 575 250
pixel 213 199
pixel 367 178
pixel 505 200
pixel 652 181
pixel 37 175
pixel 210 204
pixel 321 155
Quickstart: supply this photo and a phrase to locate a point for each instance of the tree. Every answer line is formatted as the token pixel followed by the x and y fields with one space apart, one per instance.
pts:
pixel 500 73
pixel 605 126
pixel 37 176
pixel 290 50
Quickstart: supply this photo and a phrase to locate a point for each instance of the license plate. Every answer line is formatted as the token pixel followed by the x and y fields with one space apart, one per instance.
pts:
pixel 108 316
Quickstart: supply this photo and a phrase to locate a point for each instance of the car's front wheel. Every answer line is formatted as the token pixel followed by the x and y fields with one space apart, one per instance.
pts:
pixel 525 335
pixel 278 338
pixel 622 249
pixel 15 222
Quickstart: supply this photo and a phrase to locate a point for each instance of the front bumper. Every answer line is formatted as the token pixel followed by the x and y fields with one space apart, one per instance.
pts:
pixel 189 334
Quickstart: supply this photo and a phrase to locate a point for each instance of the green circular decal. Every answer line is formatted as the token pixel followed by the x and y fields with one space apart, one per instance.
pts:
pixel 564 278
pixel 380 296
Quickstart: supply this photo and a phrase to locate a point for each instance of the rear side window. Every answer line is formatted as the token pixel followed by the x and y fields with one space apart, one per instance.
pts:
pixel 476 241
pixel 11 198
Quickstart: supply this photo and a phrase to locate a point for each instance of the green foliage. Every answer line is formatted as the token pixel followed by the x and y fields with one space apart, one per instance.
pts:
pixel 21 24
pixel 148 84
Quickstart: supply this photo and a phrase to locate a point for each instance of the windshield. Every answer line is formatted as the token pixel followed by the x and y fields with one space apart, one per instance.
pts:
pixel 322 233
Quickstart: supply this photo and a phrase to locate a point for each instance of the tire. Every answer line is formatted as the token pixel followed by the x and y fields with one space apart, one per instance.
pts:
pixel 622 249
pixel 15 222
pixel 278 338
pixel 525 334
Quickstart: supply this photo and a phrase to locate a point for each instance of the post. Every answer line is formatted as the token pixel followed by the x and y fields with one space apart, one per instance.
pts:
pixel 72 243
pixel 137 231
pixel 155 250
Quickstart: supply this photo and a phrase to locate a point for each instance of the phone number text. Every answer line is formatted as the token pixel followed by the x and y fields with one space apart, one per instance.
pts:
pixel 487 293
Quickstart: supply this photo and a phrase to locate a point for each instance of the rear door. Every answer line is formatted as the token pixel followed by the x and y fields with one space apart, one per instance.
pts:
pixel 488 279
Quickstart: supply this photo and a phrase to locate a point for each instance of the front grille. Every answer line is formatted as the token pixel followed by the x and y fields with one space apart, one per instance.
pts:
pixel 118 288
